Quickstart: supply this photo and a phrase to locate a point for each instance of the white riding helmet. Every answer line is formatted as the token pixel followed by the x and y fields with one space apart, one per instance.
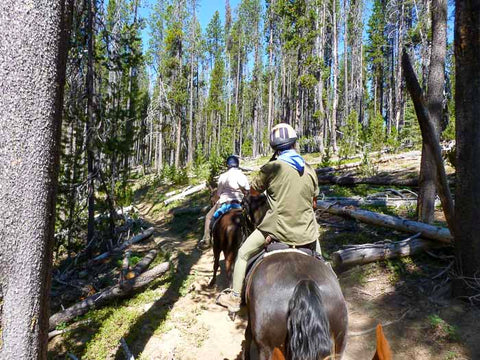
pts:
pixel 282 137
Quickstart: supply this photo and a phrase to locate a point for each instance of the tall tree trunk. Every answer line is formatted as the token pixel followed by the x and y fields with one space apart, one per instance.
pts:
pixel 270 71
pixel 467 110
pixel 345 58
pixel 190 117
pixel 30 121
pixel 436 85
pixel 398 78
pixel 130 105
pixel 90 122
pixel 333 131
pixel 319 42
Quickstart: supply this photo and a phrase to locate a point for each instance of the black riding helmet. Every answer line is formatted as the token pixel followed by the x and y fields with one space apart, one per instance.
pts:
pixel 232 161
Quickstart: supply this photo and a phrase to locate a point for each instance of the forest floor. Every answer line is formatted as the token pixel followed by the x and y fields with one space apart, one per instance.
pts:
pixel 176 317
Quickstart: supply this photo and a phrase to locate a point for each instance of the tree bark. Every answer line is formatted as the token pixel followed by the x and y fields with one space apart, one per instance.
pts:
pixel 190 117
pixel 467 110
pixel 370 217
pixel 367 253
pixel 436 86
pixel 333 130
pixel 33 39
pixel 90 123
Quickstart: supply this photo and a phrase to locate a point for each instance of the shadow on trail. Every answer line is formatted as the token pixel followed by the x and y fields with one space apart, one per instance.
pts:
pixel 145 327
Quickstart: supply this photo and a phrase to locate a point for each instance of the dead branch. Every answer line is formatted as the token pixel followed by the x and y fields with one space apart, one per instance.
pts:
pixel 137 238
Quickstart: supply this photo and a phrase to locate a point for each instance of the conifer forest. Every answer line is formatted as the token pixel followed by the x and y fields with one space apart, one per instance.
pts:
pixel 117 118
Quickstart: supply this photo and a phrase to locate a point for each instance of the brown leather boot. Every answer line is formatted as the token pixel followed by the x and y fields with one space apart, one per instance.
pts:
pixel 230 300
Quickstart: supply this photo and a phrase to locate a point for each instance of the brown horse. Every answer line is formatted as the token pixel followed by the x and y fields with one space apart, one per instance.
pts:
pixel 228 234
pixel 295 304
pixel 232 229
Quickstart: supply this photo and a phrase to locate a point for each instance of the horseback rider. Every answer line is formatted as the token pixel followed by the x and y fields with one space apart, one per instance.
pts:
pixel 291 187
pixel 232 186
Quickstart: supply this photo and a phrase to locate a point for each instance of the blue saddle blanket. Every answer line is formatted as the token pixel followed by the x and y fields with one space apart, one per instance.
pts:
pixel 225 208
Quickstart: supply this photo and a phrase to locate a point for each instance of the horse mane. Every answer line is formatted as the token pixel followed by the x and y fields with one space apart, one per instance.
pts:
pixel 308 329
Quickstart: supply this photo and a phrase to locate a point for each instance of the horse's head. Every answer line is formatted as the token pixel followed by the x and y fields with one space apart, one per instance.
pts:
pixel 213 195
pixel 255 207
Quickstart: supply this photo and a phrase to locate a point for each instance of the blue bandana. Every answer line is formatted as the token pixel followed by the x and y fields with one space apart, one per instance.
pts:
pixel 293 159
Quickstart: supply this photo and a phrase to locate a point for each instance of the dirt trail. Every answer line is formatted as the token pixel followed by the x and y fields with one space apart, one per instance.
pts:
pixel 197 328
pixel 423 322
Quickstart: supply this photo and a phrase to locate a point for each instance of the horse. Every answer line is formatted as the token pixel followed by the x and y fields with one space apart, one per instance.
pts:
pixel 228 234
pixel 295 304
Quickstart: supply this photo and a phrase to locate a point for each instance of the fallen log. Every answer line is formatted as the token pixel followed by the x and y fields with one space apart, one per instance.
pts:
pixel 75 326
pixel 189 210
pixel 185 193
pixel 367 253
pixel 408 155
pixel 370 217
pixel 373 180
pixel 373 201
pixel 135 239
pixel 377 201
pixel 142 265
pixel 106 295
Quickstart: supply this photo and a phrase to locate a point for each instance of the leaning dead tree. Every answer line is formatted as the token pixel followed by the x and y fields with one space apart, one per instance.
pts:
pixel 429 139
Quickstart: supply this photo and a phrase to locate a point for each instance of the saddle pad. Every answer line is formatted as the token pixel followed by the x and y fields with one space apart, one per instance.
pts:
pixel 222 210
pixel 215 221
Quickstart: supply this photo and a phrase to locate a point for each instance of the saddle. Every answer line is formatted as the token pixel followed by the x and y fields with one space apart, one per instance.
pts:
pixel 273 247
pixel 234 205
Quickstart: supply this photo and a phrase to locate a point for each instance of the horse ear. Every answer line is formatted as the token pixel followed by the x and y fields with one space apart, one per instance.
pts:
pixel 383 348
pixel 277 354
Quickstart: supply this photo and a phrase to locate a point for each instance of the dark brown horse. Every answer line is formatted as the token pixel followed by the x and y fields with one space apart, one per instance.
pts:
pixel 228 235
pixel 232 229
pixel 295 304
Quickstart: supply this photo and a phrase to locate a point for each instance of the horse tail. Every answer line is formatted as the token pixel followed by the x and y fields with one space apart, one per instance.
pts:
pixel 308 329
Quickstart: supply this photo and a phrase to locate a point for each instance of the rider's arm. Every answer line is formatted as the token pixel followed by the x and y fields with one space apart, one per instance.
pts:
pixel 260 181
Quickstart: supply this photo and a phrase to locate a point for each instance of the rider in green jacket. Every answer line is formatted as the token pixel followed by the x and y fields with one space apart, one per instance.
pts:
pixel 291 186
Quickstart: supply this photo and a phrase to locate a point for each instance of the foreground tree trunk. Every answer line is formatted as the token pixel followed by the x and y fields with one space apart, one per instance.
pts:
pixel 436 86
pixel 467 110
pixel 33 39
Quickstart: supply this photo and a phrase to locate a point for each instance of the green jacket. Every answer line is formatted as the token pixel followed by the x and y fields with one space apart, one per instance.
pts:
pixel 291 218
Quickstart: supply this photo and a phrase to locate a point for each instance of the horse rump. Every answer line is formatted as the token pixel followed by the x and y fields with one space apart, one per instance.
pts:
pixel 308 329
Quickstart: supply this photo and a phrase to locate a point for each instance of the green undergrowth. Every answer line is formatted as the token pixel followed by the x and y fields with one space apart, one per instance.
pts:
pixel 98 336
